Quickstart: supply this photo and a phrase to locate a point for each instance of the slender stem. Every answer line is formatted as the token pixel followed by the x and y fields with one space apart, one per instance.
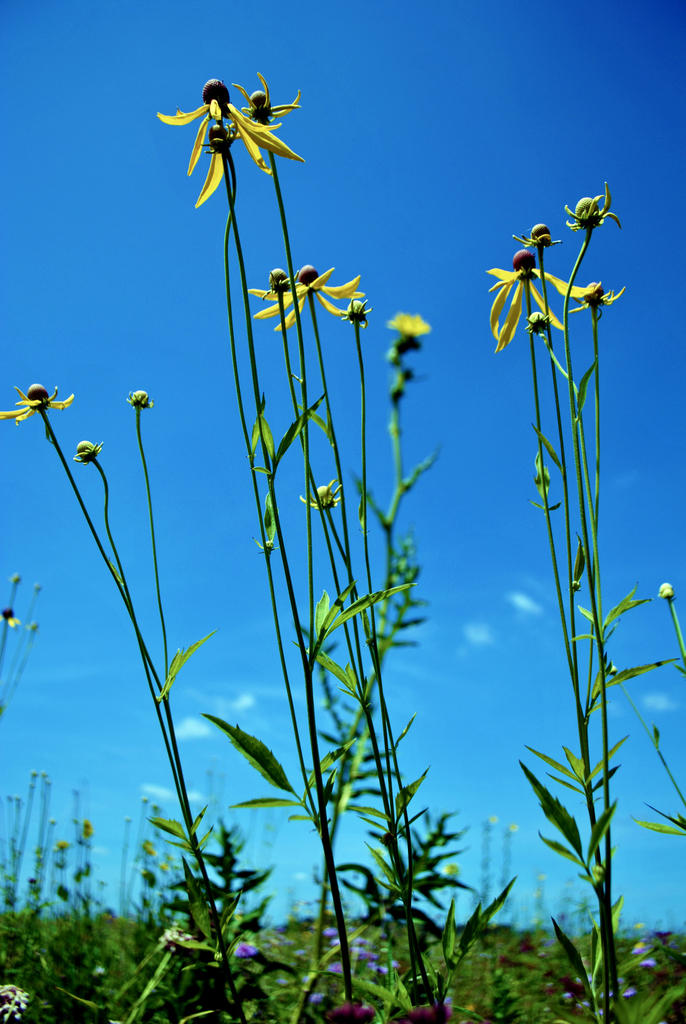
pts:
pixel 152 538
pixel 677 627
pixel 655 744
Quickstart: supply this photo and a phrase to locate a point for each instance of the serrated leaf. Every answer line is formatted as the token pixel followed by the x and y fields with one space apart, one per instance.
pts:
pixel 170 825
pixel 549 448
pixel 583 386
pixel 362 604
pixel 178 661
pixel 294 430
pixel 403 797
pixel 196 900
pixel 255 751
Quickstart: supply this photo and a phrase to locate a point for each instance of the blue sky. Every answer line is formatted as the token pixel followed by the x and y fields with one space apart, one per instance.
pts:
pixel 431 134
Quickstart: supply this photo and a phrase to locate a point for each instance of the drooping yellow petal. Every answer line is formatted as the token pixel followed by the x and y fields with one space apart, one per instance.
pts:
pixel 329 305
pixel 345 291
pixel 497 307
pixel 322 279
pixel 512 319
pixel 12 415
pixel 561 285
pixel 266 88
pixel 261 135
pixel 285 108
pixel 541 305
pixel 241 90
pixel 265 314
pixel 504 275
pixel 197 147
pixel 254 151
pixel 180 118
pixel 290 319
pixel 214 176
pixel 62 405
pixel 20 392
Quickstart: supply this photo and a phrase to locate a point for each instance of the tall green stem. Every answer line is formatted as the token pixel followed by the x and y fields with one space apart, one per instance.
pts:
pixel 152 538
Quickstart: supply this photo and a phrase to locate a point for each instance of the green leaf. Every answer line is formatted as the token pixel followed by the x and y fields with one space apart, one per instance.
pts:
pixel 627 673
pixel 267 437
pixel 624 605
pixel 587 615
pixel 576 763
pixel 656 826
pixel 449 936
pixel 363 603
pixel 405 730
pixel 321 424
pixel 196 899
pixel 387 870
pixel 197 821
pixel 553 764
pixel 254 750
pixel 616 913
pixel 361 511
pixel 269 801
pixel 574 957
pixel 178 661
pixel 609 757
pixel 403 798
pixel 321 611
pixel 562 850
pixel 86 1002
pixel 368 810
pixel 579 561
pixel 269 518
pixel 556 360
pixel 341 674
pixel 583 386
pixel 294 430
pixel 599 829
pixel 549 448
pixel 174 828
pixel 542 482
pixel 556 813
pixel 656 736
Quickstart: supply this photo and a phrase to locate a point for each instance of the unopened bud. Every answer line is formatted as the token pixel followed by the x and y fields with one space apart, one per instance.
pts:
pixel 258 98
pixel 666 591
pixel 278 280
pixel 583 207
pixel 218 136
pixel 86 451
pixel 541 234
pixel 140 400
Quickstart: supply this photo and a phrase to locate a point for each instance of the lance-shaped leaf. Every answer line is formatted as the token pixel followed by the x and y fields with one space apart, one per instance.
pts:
pixel 624 606
pixel 405 730
pixel 386 868
pixel 563 851
pixel 542 480
pixel 611 753
pixel 269 801
pixel 178 661
pixel 576 763
pixel 294 430
pixel 262 427
pixel 174 828
pixel 449 937
pixel 599 829
pixel 269 519
pixel 196 900
pixel 197 821
pixel 574 957
pixel 583 386
pixel 627 673
pixel 549 448
pixel 254 750
pixel 358 606
pixel 556 813
pixel 321 612
pixel 344 675
pixel 403 798
pixel 553 764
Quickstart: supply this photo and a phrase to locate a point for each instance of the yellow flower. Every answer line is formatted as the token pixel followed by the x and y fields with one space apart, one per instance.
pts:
pixel 88 829
pixel 408 326
pixel 308 281
pixel 255 136
pixel 61 844
pixel 8 616
pixel 328 496
pixel 523 270
pixel 35 399
pixel 593 296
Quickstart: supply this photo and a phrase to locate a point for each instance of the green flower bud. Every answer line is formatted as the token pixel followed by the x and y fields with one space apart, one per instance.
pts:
pixel 140 400
pixel 584 207
pixel 86 451
pixel 541 234
pixel 278 281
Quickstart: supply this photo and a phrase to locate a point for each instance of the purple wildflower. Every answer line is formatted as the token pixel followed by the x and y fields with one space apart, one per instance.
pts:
pixel 245 951
pixel 13 1002
pixel 336 968
pixel 315 997
pixel 649 962
pixel 439 1013
pixel 631 991
pixel 330 933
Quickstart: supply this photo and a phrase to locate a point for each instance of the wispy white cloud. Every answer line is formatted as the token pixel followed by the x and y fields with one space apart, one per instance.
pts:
pixel 192 729
pixel 479 634
pixel 300 876
pixel 523 603
pixel 196 797
pixel 156 792
pixel 659 702
pixel 243 702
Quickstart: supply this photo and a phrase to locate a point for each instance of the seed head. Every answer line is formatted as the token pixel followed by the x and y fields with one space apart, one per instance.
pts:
pixel 37 393
pixel 308 274
pixel 215 90
pixel 523 260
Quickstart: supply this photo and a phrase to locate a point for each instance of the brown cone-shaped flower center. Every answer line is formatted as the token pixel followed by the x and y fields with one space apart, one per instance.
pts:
pixel 258 98
pixel 215 90
pixel 308 274
pixel 523 260
pixel 37 393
